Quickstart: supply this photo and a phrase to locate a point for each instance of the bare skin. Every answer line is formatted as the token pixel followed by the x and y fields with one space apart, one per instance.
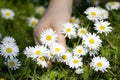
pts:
pixel 58 13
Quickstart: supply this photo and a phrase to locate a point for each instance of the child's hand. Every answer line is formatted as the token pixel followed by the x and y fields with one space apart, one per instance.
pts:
pixel 58 13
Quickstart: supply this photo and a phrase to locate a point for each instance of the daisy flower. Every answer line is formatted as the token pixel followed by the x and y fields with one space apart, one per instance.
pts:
pixel 65 57
pixel 48 37
pixel 74 62
pixel 102 27
pixel 79 71
pixel 9 50
pixel 57 49
pixel 39 51
pixel 103 14
pixel 100 63
pixel 8 40
pixel 69 30
pixel 41 61
pixel 76 25
pixel 92 41
pixel 93 52
pixel 79 50
pixel 82 32
pixel 32 21
pixel 50 55
pixel 74 20
pixel 40 10
pixel 92 13
pixel 13 63
pixel 7 14
pixel 113 5
pixel 28 51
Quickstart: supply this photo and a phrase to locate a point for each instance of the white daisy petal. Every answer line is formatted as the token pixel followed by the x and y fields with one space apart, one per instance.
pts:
pixel 69 30
pixel 79 71
pixel 7 14
pixel 13 63
pixel 40 10
pixel 92 41
pixel 41 61
pixel 103 27
pixel 100 63
pixel 74 62
pixel 32 21
pixel 113 5
pixel 82 32
pixel 65 57
pixel 9 50
pixel 92 13
pixel 39 51
pixel 8 40
pixel 57 49
pixel 48 37
pixel 79 50
pixel 74 20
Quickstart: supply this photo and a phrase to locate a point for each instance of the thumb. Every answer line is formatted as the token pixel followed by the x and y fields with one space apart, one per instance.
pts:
pixel 61 39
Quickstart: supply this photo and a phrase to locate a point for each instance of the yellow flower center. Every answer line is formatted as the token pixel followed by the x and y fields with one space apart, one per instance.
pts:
pixel 64 57
pixel 82 31
pixel 48 37
pixel 12 63
pixel 2 79
pixel 72 20
pixel 79 50
pixel 102 27
pixel 68 30
pixel 38 52
pixel 91 41
pixel 7 14
pixel 40 10
pixel 9 50
pixel 42 58
pixel 93 13
pixel 99 64
pixel 75 61
pixel 112 3
pixel 57 49
pixel 34 22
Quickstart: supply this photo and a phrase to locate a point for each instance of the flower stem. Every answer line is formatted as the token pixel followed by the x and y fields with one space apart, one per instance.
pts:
pixel 110 44
pixel 35 72
pixel 62 68
pixel 11 74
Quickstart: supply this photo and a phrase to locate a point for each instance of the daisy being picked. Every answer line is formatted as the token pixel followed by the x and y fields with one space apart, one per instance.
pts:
pixel 48 37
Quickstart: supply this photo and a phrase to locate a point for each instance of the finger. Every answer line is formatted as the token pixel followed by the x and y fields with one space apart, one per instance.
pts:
pixel 36 41
pixel 61 38
pixel 41 26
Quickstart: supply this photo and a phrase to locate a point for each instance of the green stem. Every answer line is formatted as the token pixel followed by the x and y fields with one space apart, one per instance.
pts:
pixel 110 44
pixel 78 42
pixel 62 68
pixel 11 74
pixel 35 72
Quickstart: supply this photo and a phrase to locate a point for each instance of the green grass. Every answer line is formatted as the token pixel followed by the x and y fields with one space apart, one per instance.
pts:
pixel 23 34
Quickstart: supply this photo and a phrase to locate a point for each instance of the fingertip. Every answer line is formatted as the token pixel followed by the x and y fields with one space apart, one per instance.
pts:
pixel 61 40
